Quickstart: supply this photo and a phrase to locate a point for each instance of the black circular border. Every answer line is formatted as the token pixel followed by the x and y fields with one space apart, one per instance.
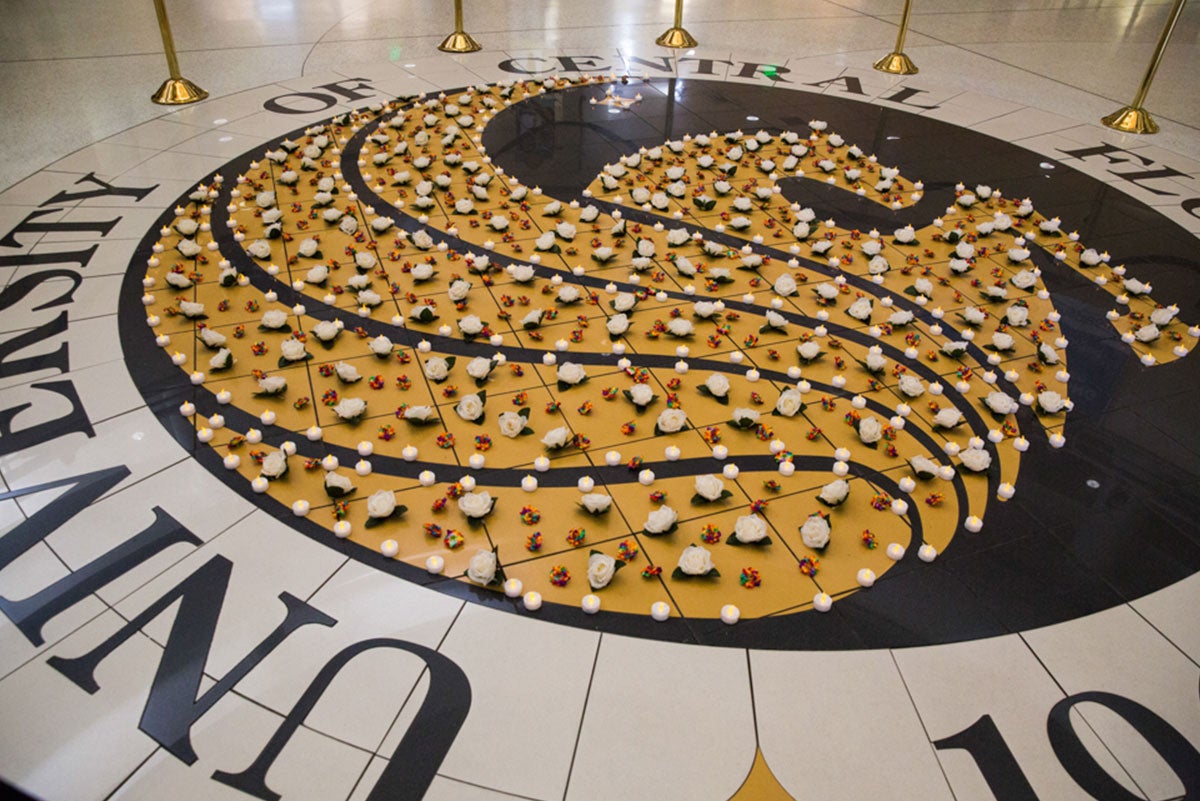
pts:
pixel 945 601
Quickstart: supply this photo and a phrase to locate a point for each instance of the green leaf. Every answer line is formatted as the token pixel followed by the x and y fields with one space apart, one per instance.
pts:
pixel 733 540
pixel 679 574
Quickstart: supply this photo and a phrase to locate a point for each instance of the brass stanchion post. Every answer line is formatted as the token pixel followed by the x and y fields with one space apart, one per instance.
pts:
pixel 1133 118
pixel 177 89
pixel 676 35
pixel 460 41
pixel 896 62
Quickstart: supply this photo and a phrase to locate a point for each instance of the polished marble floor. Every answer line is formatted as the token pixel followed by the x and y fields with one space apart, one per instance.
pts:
pixel 167 632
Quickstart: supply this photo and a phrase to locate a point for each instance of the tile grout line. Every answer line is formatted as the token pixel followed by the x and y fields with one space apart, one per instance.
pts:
pixel 583 715
pixel 933 749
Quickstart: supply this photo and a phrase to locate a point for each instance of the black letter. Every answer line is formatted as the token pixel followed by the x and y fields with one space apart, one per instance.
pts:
pixel 1168 743
pixel 510 65
pixel 173 707
pixel 904 93
pixel 348 92
pixel 579 63
pixel 25 226
pixel 73 421
pixel 983 741
pixel 58 360
pixel 704 66
pixel 416 759
pixel 852 85
pixel 771 71
pixel 106 190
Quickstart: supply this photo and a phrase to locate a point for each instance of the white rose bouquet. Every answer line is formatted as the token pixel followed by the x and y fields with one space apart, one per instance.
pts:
pixel 570 374
pixel 437 368
pixel 270 385
pixel 790 403
pixel 480 368
pixel 337 485
pixel 557 438
pixel 471 407
pixel 351 409
pixel 870 431
pixel 744 419
pixel 274 465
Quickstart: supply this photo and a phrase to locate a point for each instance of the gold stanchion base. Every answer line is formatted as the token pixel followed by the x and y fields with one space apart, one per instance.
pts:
pixel 897 64
pixel 1131 119
pixel 177 91
pixel 676 37
pixel 459 42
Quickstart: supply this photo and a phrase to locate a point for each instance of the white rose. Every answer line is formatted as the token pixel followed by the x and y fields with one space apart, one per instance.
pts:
pixel 900 317
pixel 557 437
pixel 624 301
pixel 596 502
pixel 1050 401
pixel 1147 333
pixel 571 373
pixel 745 416
pixel 718 385
pixel 1017 315
pixel 827 290
pixel 568 294
pixel 876 362
pixel 188 248
pixel 350 408
pixel 1002 341
pixel 641 394
pixel 976 459
pixel 475 504
pixel 911 386
pixel 835 492
pixel 272 384
pixel 1164 315
pixel 1000 403
pixel 221 359
pixel 1048 354
pixel 974 315
pixel 704 308
pixel 470 325
pixel 436 369
pixel 905 234
pixel 479 368
pixel 860 309
pixel 869 430
pixel 366 261
pixel 923 286
pixel 422 272
pixel 470 407
pixel 275 318
pixel 211 338
pixel 1024 279
pixel 600 570
pixel 671 420
pixel 680 327
pixel 482 567
pixel 776 320
pixel 948 417
pixel 381 345
pixel 274 464
pixel 695 561
pixel 924 466
pixel 709 487
pixel 338 482
pixel 785 285
pixel 618 324
pixel 750 528
pixel 522 273
pixel 367 297
pixel 790 403
pixel 872 248
pixel 511 424
pixel 292 350
pixel 381 504
pixel 645 248
pixel 809 350
pixel 348 373
pixel 459 290
pixel 815 532
pixel 326 330
pixel 419 413
pixel 996 292
pixel 308 247
pixel 259 249
pixel 660 520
